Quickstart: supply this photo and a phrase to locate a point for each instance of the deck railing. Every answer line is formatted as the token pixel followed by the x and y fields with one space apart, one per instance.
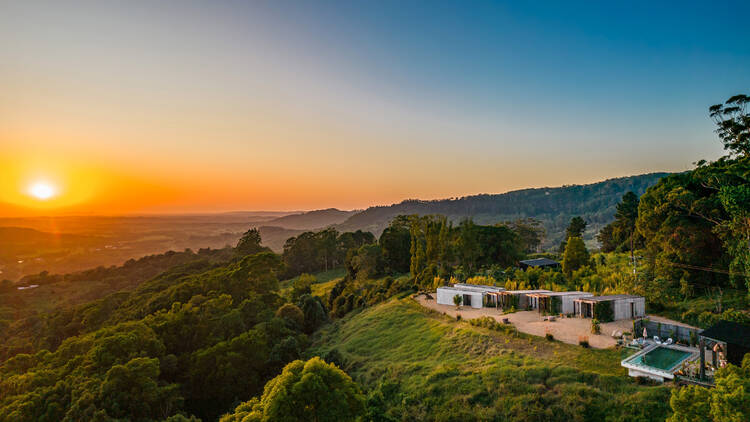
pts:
pixel 708 381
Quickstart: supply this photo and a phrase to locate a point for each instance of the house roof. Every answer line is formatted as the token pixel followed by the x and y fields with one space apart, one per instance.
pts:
pixel 610 297
pixel 729 332
pixel 460 290
pixel 539 262
pixel 478 286
pixel 567 294
pixel 518 292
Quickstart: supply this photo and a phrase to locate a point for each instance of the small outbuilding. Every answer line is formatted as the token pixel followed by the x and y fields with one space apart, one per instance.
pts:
pixel 543 263
pixel 610 308
pixel 556 302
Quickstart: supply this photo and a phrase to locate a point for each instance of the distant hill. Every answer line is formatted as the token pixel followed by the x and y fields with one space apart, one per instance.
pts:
pixel 275 237
pixel 317 219
pixel 553 206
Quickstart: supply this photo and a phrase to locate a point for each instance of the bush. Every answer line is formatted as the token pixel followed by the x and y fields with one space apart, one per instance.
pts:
pixel 646 381
pixel 458 317
pixel 583 341
pixel 292 316
pixel 595 326
pixel 549 336
pixel 603 312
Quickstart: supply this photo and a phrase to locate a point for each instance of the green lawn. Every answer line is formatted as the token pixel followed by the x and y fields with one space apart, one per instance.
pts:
pixel 418 364
pixel 322 277
pixel 325 282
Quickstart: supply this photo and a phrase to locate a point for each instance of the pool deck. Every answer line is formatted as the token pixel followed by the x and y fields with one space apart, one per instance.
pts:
pixel 636 370
pixel 567 330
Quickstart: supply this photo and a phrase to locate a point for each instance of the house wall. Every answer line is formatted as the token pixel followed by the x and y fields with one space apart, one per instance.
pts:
pixel 445 297
pixel 567 303
pixel 622 307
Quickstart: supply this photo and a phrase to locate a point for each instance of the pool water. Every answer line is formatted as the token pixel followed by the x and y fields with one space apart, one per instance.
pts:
pixel 662 358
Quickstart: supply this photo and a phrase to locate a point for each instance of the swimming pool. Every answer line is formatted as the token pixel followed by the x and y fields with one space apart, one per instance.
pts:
pixel 663 358
pixel 658 362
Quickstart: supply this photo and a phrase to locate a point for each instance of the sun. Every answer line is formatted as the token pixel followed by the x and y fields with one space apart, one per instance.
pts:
pixel 42 190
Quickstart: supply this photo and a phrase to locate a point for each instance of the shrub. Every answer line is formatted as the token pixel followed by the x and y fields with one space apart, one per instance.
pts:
pixel 549 336
pixel 595 326
pixel 583 341
pixel 292 315
pixel 646 381
pixel 458 317
pixel 603 312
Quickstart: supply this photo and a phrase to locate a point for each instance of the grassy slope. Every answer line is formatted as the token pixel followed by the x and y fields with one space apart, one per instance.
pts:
pixel 429 367
pixel 325 282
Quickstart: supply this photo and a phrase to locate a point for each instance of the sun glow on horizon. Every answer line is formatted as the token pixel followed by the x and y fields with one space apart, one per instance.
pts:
pixel 42 190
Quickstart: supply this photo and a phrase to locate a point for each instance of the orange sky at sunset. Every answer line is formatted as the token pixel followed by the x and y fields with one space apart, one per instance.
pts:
pixel 194 107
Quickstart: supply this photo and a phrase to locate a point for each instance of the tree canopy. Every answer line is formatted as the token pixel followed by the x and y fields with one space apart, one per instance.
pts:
pixel 304 391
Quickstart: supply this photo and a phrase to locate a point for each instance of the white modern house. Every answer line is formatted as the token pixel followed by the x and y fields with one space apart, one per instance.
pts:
pixel 610 308
pixel 471 295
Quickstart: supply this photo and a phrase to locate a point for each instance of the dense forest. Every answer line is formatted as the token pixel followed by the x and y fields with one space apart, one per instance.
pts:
pixel 238 334
pixel 554 207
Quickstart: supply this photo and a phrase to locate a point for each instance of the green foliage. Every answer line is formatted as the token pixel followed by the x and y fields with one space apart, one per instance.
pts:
pixel 292 315
pixel 555 305
pixel 320 251
pixel 418 365
pixel 132 391
pixel 249 243
pixel 530 233
pixel 395 242
pixel 621 234
pixel 603 311
pixel 314 312
pixel 576 228
pixel 438 249
pixel 595 326
pixel 301 286
pixel 192 341
pixel 698 221
pixel 305 391
pixel 458 300
pixel 733 124
pixel 575 256
pixel 365 263
pixel 728 402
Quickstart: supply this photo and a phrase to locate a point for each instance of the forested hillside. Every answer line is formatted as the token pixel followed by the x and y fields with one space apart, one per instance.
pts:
pixel 553 206
pixel 318 219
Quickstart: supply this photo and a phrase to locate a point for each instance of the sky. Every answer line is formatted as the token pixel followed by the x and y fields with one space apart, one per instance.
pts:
pixel 118 107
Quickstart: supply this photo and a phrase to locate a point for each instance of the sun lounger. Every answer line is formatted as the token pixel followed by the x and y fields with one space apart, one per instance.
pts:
pixel 669 341
pixel 657 340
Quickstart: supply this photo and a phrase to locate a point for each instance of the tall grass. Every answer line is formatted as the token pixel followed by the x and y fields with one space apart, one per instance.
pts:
pixel 418 364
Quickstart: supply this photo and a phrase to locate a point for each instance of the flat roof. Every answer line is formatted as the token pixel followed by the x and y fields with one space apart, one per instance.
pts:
pixel 538 262
pixel 526 291
pixel 567 294
pixel 479 286
pixel 460 290
pixel 610 297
